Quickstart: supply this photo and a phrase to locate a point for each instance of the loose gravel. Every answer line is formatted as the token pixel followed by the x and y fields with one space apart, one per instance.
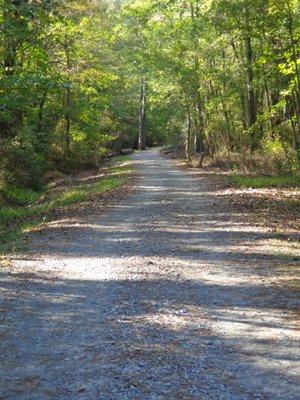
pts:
pixel 167 295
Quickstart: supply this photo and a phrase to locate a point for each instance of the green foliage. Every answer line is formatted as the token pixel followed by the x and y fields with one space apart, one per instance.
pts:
pixel 221 75
pixel 22 209
pixel 23 167
pixel 62 52
pixel 18 196
pixel 282 158
pixel 277 162
pixel 106 184
pixel 68 197
pixel 8 214
pixel 259 182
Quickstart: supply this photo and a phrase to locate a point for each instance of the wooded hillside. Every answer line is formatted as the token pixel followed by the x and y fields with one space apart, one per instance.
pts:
pixel 82 78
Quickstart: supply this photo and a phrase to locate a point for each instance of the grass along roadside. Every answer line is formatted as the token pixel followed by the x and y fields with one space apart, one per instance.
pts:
pixel 22 211
pixel 261 182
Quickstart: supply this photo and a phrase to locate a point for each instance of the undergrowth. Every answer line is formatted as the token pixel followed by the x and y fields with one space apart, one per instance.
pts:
pixel 22 210
pixel 259 182
pixel 17 196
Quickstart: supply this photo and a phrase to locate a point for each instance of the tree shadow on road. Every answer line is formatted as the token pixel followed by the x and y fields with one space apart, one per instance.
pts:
pixel 137 338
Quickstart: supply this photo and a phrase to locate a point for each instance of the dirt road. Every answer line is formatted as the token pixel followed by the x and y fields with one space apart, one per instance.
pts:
pixel 168 295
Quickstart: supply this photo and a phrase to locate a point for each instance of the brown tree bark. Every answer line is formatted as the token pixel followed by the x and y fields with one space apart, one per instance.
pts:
pixel 199 122
pixel 188 141
pixel 10 16
pixel 142 116
pixel 67 104
pixel 251 106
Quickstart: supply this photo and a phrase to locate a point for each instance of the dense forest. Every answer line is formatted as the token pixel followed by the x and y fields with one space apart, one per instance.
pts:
pixel 149 199
pixel 81 79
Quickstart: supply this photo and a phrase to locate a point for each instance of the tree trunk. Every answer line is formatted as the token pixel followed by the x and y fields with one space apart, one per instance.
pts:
pixel 42 139
pixel 142 117
pixel 269 104
pixel 296 92
pixel 10 16
pixel 199 121
pixel 294 54
pixel 67 138
pixel 251 107
pixel 188 144
pixel 242 95
pixel 296 127
pixel 199 139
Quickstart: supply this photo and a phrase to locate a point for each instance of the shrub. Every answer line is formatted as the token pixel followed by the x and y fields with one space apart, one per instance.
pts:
pixel 283 158
pixel 227 160
pixel 50 176
pixel 273 159
pixel 23 167
pixel 18 196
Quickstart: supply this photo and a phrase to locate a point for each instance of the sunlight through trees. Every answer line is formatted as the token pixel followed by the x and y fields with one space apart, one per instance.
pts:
pixel 82 78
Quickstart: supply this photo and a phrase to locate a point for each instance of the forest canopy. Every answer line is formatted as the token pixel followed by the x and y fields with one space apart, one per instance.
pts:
pixel 82 79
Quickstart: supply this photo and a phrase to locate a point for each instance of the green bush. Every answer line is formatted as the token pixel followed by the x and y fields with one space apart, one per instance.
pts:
pixel 87 155
pixel 273 159
pixel 282 158
pixel 23 167
pixel 18 196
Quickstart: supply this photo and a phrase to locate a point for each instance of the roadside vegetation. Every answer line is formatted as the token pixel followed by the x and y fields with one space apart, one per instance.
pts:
pixel 259 182
pixel 22 211
pixel 216 80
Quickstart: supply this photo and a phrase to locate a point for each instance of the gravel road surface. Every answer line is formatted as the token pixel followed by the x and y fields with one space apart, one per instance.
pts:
pixel 167 295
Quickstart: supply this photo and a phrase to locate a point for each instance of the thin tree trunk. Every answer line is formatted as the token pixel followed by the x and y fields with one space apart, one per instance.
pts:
pixel 227 120
pixel 296 92
pixel 294 52
pixel 68 100
pixel 10 16
pixel 42 140
pixel 67 138
pixel 199 140
pixel 229 124
pixel 251 106
pixel 242 92
pixel 296 127
pixel 189 136
pixel 269 106
pixel 142 117
pixel 199 124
